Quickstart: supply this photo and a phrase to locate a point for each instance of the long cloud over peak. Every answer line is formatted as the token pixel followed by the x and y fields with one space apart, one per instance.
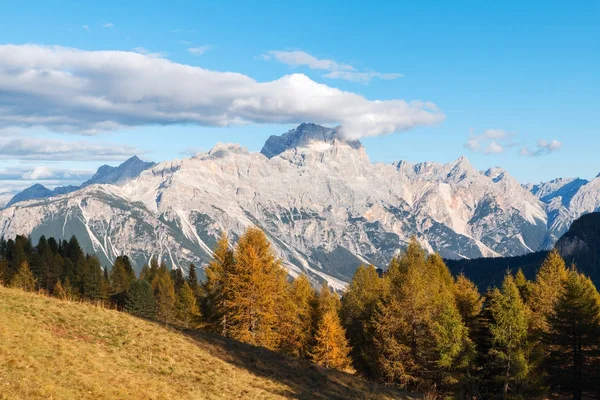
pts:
pixel 87 92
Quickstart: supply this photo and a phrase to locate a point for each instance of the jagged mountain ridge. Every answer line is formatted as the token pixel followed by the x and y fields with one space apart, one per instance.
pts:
pixel 323 204
pixel 565 200
pixel 119 175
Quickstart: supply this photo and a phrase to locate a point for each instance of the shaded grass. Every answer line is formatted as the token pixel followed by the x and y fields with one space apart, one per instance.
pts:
pixel 64 350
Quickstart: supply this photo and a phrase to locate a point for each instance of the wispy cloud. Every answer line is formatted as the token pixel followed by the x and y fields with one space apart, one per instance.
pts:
pixel 108 25
pixel 543 147
pixel 497 141
pixel 335 70
pixel 88 92
pixel 85 27
pixel 39 173
pixel 491 141
pixel 198 51
pixel 36 148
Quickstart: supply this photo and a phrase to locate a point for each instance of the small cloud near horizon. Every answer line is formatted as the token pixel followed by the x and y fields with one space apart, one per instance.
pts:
pixel 543 147
pixel 335 70
pixel 497 141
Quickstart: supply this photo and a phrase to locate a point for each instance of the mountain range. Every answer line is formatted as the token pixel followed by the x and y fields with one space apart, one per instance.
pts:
pixel 106 174
pixel 323 204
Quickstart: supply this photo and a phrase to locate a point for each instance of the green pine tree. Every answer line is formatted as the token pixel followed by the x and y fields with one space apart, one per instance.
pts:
pixel 359 303
pixel 187 308
pixel 214 287
pixel 508 330
pixel 140 299
pixel 573 339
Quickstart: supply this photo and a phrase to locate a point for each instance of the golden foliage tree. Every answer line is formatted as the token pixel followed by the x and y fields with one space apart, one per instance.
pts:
pixel 295 323
pixel 547 288
pixel 331 349
pixel 418 333
pixel 24 278
pixel 468 300
pixel 254 291
pixel 164 293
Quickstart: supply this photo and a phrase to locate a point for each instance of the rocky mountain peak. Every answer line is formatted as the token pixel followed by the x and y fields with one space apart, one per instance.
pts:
pixel 304 135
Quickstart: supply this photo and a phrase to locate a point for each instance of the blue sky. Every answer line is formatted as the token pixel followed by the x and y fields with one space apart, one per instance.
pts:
pixel 515 83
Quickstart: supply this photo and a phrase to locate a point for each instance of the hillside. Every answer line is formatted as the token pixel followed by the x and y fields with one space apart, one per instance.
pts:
pixel 581 245
pixel 55 349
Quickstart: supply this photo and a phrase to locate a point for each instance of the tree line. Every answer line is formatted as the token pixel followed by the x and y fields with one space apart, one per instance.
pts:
pixel 415 325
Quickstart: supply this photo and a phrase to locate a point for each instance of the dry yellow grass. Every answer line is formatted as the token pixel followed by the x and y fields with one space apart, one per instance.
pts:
pixel 60 350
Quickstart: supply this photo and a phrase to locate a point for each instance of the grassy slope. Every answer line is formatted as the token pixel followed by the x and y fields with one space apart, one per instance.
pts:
pixel 61 350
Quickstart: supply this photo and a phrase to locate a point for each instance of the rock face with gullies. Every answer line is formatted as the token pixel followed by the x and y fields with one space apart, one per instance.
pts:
pixel 325 207
pixel 565 200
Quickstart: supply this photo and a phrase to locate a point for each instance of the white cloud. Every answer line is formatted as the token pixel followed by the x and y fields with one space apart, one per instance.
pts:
pixel 87 92
pixel 543 147
pixel 491 141
pixel 108 25
pixel 336 70
pixel 494 148
pixel 16 178
pixel 35 148
pixel 198 51
pixel 85 27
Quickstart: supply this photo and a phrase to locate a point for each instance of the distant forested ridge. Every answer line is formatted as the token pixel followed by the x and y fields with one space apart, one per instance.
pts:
pixel 579 246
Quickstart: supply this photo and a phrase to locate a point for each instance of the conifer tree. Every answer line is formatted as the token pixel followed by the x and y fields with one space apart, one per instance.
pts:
pixel 24 278
pixel 508 331
pixel 468 300
pixel 331 348
pixel 105 288
pixel 547 289
pixel 192 280
pixel 573 338
pixel 3 272
pixel 93 278
pixel 145 273
pixel 123 259
pixel 140 299
pixel 295 322
pixel 119 283
pixel 359 303
pixel 68 289
pixel 164 293
pixel 187 308
pixel 59 291
pixel 418 334
pixel 178 279
pixel 524 286
pixel 214 287
pixel 255 291
pixel 325 301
